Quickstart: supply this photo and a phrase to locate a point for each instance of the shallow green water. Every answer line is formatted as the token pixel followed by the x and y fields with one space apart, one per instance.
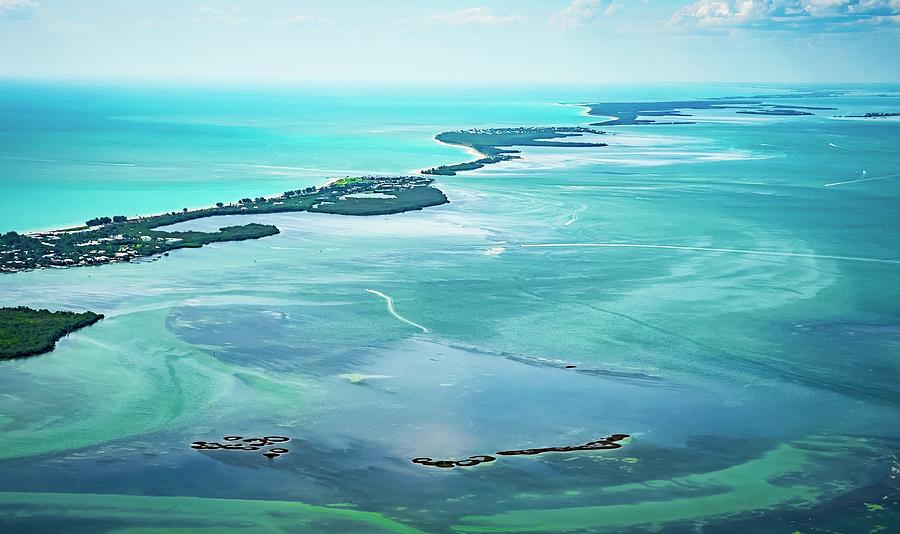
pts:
pixel 755 368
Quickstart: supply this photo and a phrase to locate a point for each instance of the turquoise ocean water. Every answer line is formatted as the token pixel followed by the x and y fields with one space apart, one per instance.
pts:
pixel 727 292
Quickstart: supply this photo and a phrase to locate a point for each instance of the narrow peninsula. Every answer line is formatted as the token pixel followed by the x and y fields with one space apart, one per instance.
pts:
pixel 117 239
pixel 495 144
pixel 28 332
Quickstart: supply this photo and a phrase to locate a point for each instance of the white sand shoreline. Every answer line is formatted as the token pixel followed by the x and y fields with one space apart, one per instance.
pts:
pixel 469 150
pixel 80 227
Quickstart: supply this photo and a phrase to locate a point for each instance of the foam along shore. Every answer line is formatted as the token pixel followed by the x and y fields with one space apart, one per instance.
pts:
pixel 117 239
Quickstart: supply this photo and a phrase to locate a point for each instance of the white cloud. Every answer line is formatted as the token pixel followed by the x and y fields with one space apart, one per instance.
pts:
pixel 16 4
pixel 216 15
pixel 16 9
pixel 781 14
pixel 582 12
pixel 301 20
pixel 67 26
pixel 470 16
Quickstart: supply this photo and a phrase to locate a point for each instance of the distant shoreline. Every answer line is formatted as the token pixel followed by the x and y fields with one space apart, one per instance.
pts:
pixel 645 113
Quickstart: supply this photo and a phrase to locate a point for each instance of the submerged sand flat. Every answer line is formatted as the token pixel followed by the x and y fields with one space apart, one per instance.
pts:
pixel 733 315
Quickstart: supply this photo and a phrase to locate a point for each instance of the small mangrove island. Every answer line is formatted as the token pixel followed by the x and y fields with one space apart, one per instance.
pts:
pixel 27 332
pixel 116 239
pixel 607 443
pixel 495 144
pixel 875 115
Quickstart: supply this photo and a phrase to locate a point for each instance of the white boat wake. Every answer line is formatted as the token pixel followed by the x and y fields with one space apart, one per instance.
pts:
pixel 885 177
pixel 710 249
pixel 390 308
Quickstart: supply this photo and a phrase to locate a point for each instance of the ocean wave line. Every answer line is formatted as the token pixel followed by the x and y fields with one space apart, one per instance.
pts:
pixel 390 308
pixel 711 249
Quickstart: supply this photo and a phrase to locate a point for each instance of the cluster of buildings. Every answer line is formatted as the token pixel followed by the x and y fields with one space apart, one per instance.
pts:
pixel 525 129
pixel 367 187
pixel 376 184
pixel 58 252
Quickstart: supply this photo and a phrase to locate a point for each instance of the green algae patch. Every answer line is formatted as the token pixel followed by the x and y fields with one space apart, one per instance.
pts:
pixel 107 387
pixel 347 181
pixel 112 384
pixel 134 514
pixel 756 485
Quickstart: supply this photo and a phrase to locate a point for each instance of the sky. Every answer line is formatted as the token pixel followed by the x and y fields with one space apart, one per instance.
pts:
pixel 464 42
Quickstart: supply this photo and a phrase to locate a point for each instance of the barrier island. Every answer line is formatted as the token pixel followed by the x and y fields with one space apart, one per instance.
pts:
pixel 118 238
pixel 495 144
pixel 27 332
pixel 774 111
pixel 636 113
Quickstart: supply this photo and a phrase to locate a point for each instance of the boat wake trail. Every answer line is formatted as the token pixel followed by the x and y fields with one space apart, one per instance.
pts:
pixel 838 146
pixel 390 308
pixel 885 177
pixel 710 249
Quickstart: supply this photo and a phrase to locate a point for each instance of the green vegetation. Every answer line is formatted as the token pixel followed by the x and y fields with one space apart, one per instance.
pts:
pixel 347 181
pixel 495 143
pixel 115 239
pixel 394 201
pixel 451 170
pixel 98 221
pixel 26 332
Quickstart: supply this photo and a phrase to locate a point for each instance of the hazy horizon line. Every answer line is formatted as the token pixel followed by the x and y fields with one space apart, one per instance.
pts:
pixel 381 82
